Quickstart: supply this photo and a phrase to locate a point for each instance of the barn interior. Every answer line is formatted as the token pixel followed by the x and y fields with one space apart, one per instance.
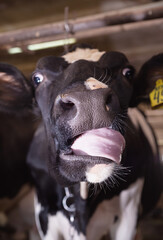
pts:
pixel 31 29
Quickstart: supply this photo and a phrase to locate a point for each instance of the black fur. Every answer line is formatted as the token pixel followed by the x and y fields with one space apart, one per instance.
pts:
pixel 67 110
pixel 16 129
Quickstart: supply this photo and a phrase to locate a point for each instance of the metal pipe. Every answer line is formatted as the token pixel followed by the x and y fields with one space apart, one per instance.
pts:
pixel 115 20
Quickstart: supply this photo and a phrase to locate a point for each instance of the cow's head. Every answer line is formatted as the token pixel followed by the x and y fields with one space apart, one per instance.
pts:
pixel 83 103
pixel 16 129
pixel 15 90
pixel 83 98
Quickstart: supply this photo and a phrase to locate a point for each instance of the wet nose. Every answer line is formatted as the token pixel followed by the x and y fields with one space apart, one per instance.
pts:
pixel 90 109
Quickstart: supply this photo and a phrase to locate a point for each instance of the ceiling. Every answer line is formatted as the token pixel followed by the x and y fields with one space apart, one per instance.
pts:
pixel 137 38
pixel 138 43
pixel 17 14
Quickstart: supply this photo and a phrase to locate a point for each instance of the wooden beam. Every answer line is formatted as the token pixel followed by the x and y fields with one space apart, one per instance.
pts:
pixel 99 21
pixel 120 28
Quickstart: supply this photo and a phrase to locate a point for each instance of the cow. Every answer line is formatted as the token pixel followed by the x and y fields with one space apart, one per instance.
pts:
pixel 17 127
pixel 94 159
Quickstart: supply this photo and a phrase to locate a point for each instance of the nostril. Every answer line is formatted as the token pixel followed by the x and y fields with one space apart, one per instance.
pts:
pixel 66 104
pixel 65 107
pixel 108 102
pixel 109 99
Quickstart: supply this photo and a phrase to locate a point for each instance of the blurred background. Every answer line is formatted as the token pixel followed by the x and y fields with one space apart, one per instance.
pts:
pixel 30 29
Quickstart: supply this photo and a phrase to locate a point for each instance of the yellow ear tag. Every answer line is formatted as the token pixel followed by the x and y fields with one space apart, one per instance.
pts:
pixel 156 96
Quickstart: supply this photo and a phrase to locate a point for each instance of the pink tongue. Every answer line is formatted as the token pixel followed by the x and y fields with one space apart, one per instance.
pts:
pixel 102 142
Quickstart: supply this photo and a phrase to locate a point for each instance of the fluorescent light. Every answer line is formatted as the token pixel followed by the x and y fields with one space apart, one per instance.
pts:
pixel 14 50
pixel 44 45
pixel 57 43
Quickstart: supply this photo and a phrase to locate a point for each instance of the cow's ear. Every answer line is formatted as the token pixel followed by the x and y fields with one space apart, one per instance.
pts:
pixel 15 90
pixel 148 83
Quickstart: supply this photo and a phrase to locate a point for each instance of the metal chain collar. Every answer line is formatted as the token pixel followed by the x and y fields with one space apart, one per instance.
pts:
pixel 70 209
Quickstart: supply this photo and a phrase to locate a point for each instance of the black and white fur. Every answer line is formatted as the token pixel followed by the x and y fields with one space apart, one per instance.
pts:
pixel 102 84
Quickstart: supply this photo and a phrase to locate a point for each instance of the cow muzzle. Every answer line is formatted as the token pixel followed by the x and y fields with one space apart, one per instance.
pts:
pixel 95 147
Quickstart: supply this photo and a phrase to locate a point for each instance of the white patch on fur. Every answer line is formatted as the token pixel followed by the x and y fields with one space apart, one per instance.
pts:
pixel 103 219
pixel 99 173
pixel 125 207
pixel 83 53
pixel 38 208
pixel 92 84
pixel 129 205
pixel 59 228
pixel 139 121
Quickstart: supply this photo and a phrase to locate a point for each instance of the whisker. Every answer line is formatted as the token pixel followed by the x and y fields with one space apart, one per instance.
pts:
pixel 107 184
pixel 108 80
pixel 121 122
pixel 100 77
pixel 106 72
pixel 94 72
pixel 123 115
pixel 93 188
pixel 103 187
pixel 119 174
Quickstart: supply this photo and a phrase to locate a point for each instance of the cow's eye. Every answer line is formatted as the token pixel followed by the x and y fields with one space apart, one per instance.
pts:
pixel 37 78
pixel 128 73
